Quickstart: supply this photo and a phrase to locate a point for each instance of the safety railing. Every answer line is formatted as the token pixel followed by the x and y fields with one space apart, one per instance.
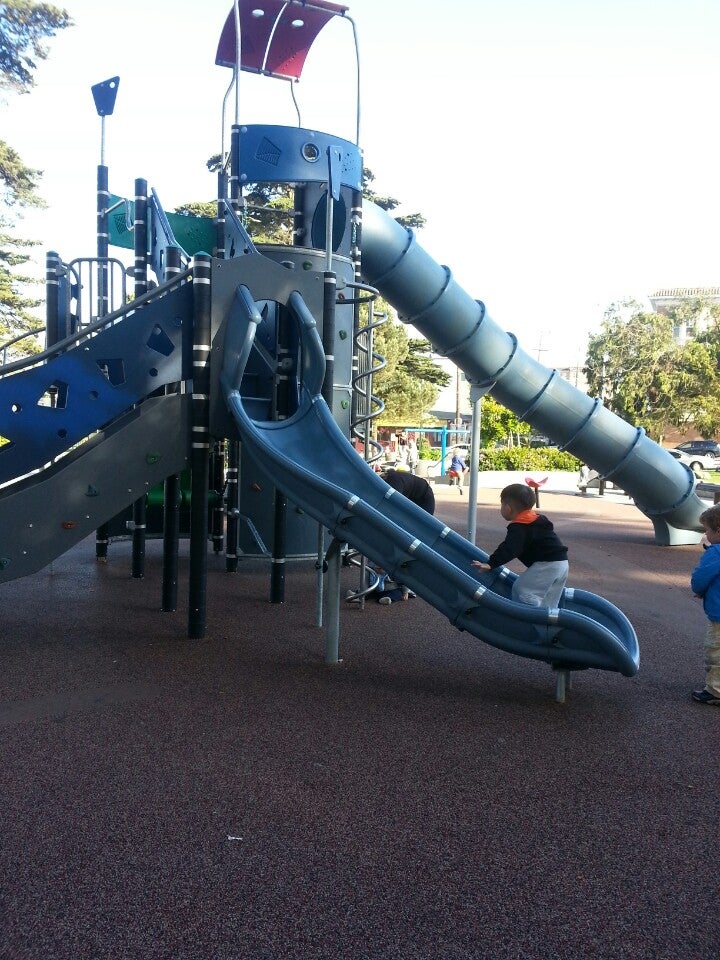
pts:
pixel 9 344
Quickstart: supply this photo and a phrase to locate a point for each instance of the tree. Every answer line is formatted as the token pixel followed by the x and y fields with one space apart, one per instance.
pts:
pixel 697 399
pixel 270 205
pixel 642 374
pixel 412 220
pixel 25 25
pixel 498 424
pixel 269 208
pixel 410 381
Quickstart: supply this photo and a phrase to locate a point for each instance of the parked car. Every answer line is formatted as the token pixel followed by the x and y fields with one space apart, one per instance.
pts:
pixel 696 461
pixel 692 447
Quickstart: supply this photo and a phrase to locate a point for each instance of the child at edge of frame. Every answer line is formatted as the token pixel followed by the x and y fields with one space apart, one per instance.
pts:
pixel 530 538
pixel 705 583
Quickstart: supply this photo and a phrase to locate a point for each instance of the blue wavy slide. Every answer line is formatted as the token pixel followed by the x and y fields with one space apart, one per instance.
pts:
pixel 359 508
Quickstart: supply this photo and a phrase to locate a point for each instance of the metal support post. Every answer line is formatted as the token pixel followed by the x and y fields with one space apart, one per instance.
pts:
pixel 332 627
pixel 140 287
pixel 233 507
pixel 277 575
pixel 200 446
pixel 171 543
pixel 476 395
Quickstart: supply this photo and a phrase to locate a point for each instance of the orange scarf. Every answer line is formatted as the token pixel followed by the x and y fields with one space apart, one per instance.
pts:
pixel 526 516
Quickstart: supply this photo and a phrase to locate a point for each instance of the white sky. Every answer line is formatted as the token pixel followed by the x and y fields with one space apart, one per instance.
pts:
pixel 566 153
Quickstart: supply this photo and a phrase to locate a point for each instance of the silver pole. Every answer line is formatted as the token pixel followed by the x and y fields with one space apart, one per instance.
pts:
pixel 320 580
pixel 476 395
pixel 332 627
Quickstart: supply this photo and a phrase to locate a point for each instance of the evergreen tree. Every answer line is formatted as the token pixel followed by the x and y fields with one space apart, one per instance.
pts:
pixel 24 26
pixel 410 381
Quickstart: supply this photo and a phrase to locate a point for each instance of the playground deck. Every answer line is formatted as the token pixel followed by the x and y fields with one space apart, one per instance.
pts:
pixel 427 798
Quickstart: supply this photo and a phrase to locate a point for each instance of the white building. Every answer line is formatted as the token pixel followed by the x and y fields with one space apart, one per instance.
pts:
pixel 663 301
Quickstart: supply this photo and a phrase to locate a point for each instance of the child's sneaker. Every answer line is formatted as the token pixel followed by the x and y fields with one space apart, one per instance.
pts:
pixel 704 696
pixel 385 601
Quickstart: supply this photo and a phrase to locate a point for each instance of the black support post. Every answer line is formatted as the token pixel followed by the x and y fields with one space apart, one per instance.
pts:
pixel 200 446
pixel 52 298
pixel 277 574
pixel 218 487
pixel 171 495
pixel 171 542
pixel 233 507
pixel 139 527
pixel 102 535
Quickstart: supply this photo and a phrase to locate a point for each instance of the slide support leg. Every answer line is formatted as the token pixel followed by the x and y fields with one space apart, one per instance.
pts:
pixel 563 683
pixel 332 625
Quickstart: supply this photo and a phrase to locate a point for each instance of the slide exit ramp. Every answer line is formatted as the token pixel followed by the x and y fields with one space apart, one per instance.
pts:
pixel 310 459
pixel 426 296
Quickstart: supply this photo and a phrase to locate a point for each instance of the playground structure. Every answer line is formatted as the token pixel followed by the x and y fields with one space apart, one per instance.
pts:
pixel 252 355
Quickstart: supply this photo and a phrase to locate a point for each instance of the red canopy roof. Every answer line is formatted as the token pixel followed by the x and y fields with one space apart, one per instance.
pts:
pixel 275 35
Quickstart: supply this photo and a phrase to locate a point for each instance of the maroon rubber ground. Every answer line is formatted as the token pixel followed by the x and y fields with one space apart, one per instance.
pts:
pixel 427 798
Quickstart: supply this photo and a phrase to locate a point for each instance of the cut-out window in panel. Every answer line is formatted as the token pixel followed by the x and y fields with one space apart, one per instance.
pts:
pixel 113 370
pixel 160 341
pixel 55 396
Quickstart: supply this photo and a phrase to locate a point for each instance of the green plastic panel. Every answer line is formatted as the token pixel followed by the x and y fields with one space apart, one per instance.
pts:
pixel 193 234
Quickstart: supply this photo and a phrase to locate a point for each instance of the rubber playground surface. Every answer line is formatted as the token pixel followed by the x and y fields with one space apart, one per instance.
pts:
pixel 427 798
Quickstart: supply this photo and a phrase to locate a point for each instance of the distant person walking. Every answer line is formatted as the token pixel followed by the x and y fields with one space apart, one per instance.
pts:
pixel 705 583
pixel 412 454
pixel 458 469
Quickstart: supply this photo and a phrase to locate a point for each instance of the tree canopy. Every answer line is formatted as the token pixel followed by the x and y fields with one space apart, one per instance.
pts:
pixel 498 424
pixel 25 25
pixel 651 377
pixel 409 383
pixel 270 205
pixel 413 221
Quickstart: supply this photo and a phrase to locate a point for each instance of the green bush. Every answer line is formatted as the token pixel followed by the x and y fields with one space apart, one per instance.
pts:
pixel 430 453
pixel 527 458
pixel 517 458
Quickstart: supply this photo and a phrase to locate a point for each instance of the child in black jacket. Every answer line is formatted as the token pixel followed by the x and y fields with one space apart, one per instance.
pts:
pixel 531 538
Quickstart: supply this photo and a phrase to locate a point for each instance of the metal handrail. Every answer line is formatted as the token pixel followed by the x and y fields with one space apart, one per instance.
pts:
pixel 21 336
pixel 100 324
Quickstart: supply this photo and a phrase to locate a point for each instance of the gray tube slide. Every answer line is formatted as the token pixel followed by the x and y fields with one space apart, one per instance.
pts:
pixel 426 296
